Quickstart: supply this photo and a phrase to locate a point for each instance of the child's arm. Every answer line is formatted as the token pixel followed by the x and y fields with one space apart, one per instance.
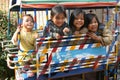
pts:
pixel 107 36
pixel 15 36
pixel 67 31
pixel 46 31
pixel 95 37
pixel 50 32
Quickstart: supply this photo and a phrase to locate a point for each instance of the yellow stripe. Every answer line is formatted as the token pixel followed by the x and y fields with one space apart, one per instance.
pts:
pixel 89 62
pixel 107 66
pixel 116 50
pixel 49 43
pixel 15 72
pixel 83 76
pixel 65 61
pixel 46 17
pixel 86 66
pixel 38 65
pixel 73 47
pixel 98 44
pixel 20 16
pixel 18 36
pixel 91 57
pixel 34 70
pixel 111 20
pixel 42 58
pixel 104 77
pixel 114 54
pixel 45 50
pixel 62 68
pixel 115 77
pixel 20 60
pixel 16 67
pixel 110 62
pixel 109 23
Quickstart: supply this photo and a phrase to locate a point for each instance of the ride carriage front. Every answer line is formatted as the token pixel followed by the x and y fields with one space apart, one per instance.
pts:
pixel 70 55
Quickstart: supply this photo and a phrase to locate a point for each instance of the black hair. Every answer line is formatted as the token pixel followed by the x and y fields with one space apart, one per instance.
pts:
pixel 74 15
pixel 29 16
pixel 89 18
pixel 57 10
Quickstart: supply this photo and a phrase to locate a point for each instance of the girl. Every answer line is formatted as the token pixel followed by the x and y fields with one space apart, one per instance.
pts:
pixel 97 31
pixel 27 39
pixel 76 23
pixel 57 26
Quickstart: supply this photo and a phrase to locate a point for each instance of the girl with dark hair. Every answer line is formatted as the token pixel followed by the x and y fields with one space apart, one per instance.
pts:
pixel 97 31
pixel 57 26
pixel 77 21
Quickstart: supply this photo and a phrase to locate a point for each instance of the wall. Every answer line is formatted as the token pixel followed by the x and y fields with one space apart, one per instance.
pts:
pixel 4 5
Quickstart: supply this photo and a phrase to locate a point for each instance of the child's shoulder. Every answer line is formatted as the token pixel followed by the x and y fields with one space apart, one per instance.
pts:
pixel 65 24
pixel 35 31
pixel 84 30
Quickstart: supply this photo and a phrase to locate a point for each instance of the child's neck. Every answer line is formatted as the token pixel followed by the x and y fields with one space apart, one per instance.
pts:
pixel 77 29
pixel 26 30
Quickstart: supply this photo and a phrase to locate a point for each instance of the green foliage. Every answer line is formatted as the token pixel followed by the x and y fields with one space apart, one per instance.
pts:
pixel 5 72
pixel 4 26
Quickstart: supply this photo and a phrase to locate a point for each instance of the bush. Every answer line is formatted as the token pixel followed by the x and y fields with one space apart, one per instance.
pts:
pixel 5 72
pixel 4 26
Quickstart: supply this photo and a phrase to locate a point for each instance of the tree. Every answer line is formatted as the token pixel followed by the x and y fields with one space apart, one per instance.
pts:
pixel 5 72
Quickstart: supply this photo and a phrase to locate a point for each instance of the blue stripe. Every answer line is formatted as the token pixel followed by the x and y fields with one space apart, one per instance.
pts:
pixel 63 48
pixel 90 45
pixel 82 60
pixel 35 23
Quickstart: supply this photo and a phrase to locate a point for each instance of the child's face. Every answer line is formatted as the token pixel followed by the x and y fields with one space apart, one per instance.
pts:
pixel 79 21
pixel 58 19
pixel 28 22
pixel 93 26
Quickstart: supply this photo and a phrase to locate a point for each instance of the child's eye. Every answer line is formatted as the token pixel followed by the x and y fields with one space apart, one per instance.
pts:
pixel 95 22
pixel 76 18
pixel 29 20
pixel 79 18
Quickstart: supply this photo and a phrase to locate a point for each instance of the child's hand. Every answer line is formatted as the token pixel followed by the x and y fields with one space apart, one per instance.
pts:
pixel 94 36
pixel 36 35
pixel 18 29
pixel 66 30
pixel 76 32
pixel 57 36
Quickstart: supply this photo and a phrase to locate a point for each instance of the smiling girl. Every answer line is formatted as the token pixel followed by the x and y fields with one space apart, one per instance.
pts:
pixel 97 31
pixel 57 26
pixel 77 21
